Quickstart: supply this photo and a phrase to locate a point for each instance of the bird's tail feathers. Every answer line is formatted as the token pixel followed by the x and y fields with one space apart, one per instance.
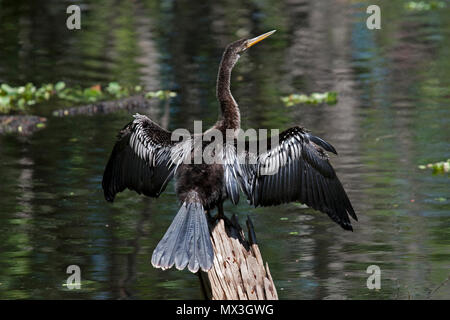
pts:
pixel 187 241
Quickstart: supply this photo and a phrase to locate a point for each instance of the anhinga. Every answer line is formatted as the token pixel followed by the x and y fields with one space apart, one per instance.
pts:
pixel 143 160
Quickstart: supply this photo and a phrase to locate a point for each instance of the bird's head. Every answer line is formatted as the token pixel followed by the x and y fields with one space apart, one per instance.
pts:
pixel 235 49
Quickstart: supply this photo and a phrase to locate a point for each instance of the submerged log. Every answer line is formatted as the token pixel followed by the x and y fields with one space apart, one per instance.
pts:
pixel 22 125
pixel 239 272
pixel 133 102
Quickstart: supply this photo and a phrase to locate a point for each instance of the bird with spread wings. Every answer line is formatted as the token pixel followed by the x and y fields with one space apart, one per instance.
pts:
pixel 146 157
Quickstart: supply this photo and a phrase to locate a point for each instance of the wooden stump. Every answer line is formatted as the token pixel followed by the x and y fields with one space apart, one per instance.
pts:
pixel 129 103
pixel 238 272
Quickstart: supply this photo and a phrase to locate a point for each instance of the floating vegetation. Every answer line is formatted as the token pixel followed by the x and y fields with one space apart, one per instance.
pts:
pixel 18 99
pixel 438 167
pixel 313 98
pixel 425 5
pixel 161 94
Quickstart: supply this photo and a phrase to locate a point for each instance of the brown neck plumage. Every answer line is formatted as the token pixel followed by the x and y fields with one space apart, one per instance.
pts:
pixel 230 117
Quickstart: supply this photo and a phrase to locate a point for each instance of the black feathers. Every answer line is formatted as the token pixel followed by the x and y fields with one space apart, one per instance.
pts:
pixel 139 160
pixel 296 169
pixel 300 171
pixel 321 143
pixel 145 159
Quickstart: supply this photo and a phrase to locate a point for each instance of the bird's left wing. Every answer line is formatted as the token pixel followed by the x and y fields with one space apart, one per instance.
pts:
pixel 297 169
pixel 140 160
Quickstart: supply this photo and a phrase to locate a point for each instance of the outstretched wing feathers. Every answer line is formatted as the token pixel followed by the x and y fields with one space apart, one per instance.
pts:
pixel 321 143
pixel 297 169
pixel 139 160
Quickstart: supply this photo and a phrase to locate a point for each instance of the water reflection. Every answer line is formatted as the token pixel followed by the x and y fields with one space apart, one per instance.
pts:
pixel 392 115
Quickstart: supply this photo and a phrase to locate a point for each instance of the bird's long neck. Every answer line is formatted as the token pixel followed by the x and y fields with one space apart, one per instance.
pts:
pixel 230 117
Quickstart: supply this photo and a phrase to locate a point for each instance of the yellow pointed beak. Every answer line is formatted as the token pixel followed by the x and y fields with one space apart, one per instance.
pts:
pixel 257 39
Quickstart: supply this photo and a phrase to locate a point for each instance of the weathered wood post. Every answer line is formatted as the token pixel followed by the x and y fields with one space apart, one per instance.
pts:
pixel 238 272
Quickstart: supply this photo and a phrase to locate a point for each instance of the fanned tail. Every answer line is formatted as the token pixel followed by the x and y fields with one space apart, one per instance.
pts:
pixel 186 242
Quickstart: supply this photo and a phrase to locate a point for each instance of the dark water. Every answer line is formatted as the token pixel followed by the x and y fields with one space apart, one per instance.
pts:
pixel 393 115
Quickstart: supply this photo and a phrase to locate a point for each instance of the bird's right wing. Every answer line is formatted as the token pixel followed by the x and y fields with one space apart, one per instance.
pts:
pixel 140 160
